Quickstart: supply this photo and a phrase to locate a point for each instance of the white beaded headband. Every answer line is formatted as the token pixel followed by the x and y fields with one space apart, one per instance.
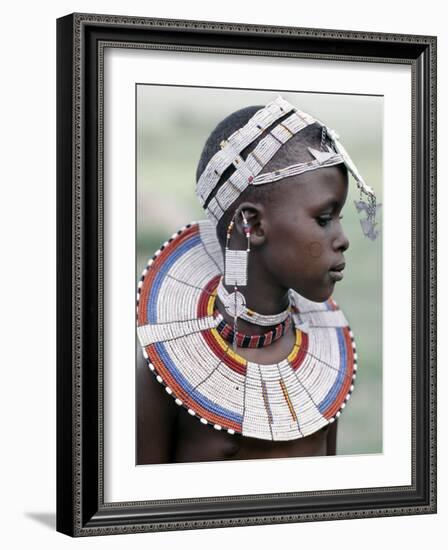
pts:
pixel 238 141
pixel 247 172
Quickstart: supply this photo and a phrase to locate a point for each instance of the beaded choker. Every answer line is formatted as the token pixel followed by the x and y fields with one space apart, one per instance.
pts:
pixel 248 314
pixel 252 341
pixel 177 330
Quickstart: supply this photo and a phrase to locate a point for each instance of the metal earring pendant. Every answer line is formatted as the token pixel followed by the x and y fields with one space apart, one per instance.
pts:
pixel 235 274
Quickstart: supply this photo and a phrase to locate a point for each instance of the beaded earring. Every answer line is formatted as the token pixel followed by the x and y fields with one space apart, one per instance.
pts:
pixel 235 274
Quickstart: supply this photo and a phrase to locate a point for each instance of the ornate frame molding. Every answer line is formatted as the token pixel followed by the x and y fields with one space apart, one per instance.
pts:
pixel 81 510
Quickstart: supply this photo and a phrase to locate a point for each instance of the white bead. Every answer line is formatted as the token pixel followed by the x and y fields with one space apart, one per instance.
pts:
pixel 159 379
pixel 168 390
pixel 217 427
pixel 178 402
pixel 203 421
pixel 190 411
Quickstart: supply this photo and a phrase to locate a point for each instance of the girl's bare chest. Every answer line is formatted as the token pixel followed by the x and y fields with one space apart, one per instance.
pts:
pixel 196 442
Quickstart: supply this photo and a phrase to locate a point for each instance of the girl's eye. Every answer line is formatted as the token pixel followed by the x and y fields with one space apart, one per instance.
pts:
pixel 325 220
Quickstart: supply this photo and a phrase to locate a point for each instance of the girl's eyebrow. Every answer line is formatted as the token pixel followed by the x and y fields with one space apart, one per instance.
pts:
pixel 331 203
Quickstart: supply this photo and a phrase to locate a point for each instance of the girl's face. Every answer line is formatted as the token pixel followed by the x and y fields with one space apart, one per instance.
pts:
pixel 305 242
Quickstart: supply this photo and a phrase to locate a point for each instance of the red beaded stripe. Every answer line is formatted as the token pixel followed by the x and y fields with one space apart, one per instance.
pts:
pixel 226 332
pixel 208 290
pixel 180 393
pixel 348 379
pixel 303 350
pixel 252 341
pixel 221 354
pixel 207 334
pixel 288 400
pixel 239 339
pixel 151 273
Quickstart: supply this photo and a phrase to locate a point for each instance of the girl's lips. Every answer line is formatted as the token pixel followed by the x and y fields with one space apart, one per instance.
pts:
pixel 336 275
pixel 337 272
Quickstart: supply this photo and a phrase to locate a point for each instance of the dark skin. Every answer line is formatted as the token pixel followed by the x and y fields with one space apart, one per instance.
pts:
pixel 306 209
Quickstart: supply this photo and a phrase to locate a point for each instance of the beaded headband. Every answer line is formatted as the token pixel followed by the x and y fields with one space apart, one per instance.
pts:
pixel 247 172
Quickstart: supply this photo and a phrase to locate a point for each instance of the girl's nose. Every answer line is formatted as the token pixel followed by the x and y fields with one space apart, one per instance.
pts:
pixel 341 241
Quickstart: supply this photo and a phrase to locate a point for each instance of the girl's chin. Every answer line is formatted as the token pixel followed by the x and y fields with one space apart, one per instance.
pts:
pixel 328 292
pixel 321 296
pixel 318 293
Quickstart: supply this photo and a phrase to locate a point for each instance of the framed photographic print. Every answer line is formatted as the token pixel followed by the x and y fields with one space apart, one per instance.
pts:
pixel 246 274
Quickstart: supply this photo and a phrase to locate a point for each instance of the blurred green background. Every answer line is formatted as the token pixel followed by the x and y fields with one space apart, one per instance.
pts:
pixel 172 125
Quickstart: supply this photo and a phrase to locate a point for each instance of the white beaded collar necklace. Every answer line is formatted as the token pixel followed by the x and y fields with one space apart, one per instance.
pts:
pixel 250 315
pixel 177 330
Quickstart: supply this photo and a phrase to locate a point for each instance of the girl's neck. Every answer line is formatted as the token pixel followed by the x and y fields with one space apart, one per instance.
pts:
pixel 260 297
pixel 263 302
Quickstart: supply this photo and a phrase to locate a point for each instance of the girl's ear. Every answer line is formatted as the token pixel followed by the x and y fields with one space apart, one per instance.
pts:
pixel 255 216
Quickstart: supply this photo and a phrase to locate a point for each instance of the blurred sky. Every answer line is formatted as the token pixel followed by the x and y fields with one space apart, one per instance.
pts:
pixel 172 125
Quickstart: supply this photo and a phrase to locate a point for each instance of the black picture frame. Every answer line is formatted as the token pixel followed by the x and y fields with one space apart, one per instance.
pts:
pixel 81 510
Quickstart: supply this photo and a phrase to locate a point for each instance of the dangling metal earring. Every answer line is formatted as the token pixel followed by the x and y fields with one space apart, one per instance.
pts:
pixel 323 137
pixel 235 274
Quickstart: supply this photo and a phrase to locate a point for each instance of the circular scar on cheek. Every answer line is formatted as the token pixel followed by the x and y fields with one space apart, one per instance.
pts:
pixel 315 249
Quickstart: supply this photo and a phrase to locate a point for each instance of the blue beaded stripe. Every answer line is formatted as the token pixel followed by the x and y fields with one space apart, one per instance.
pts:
pixel 334 390
pixel 190 390
pixel 151 312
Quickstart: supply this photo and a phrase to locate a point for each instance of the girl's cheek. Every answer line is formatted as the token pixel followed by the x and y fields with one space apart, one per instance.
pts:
pixel 314 249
